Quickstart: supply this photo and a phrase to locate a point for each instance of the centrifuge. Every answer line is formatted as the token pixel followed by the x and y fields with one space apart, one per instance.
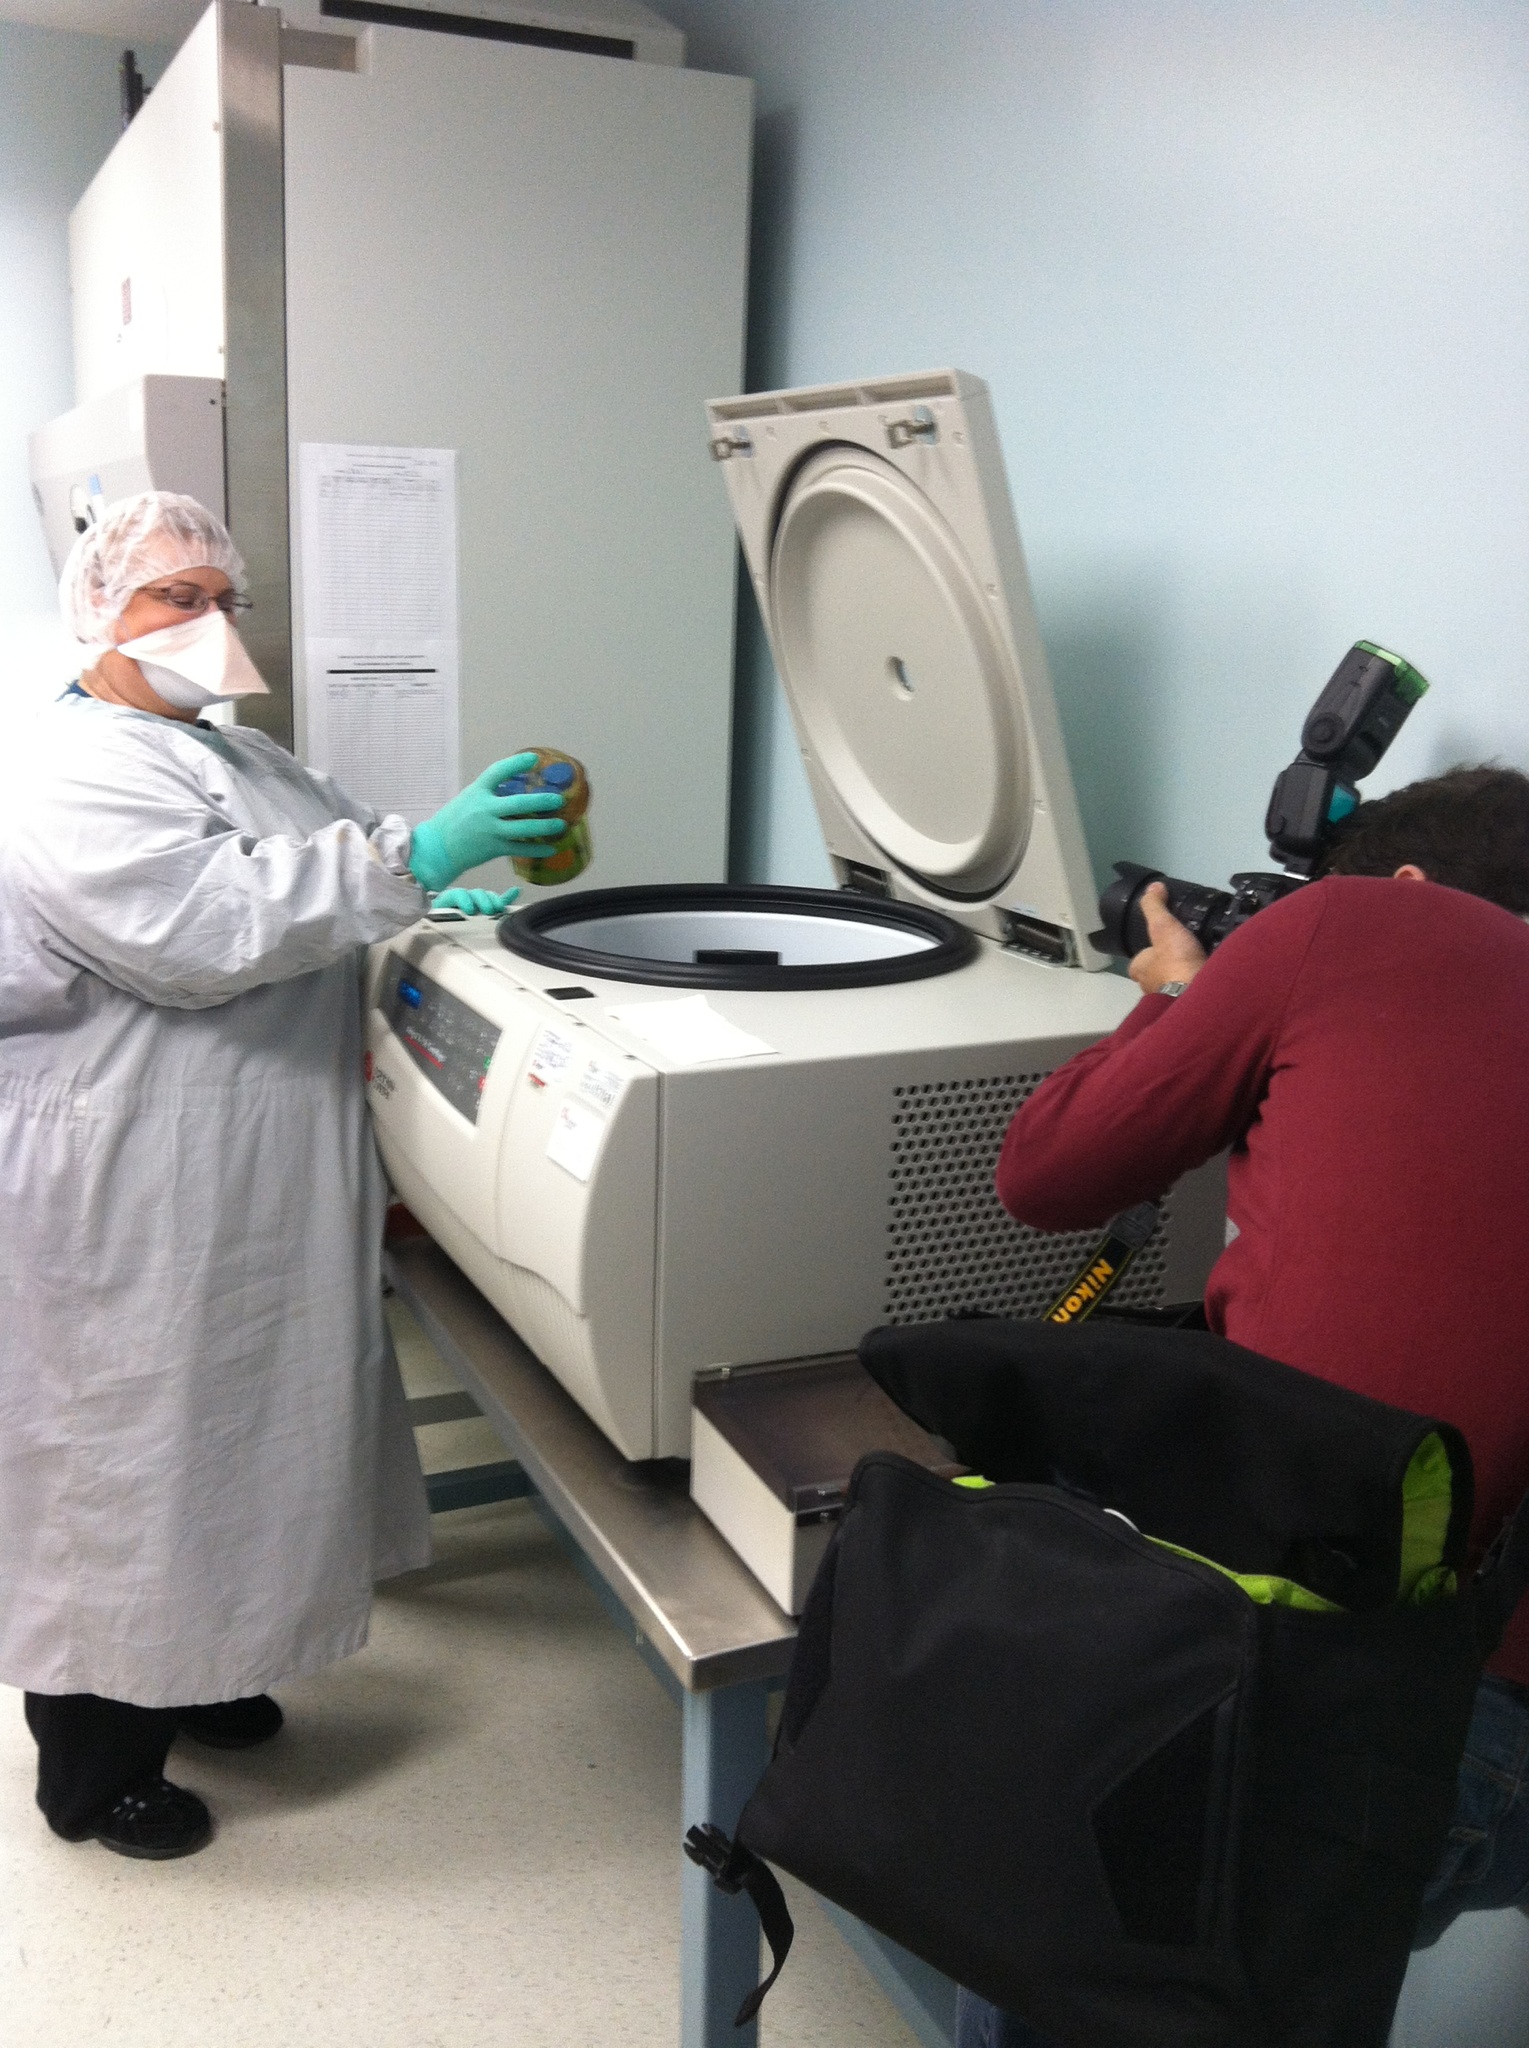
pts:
pixel 670 1128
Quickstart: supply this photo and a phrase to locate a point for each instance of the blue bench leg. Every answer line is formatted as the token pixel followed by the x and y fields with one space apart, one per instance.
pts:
pixel 725 1750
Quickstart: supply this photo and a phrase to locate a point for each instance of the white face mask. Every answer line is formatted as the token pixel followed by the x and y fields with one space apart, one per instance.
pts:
pixel 196 662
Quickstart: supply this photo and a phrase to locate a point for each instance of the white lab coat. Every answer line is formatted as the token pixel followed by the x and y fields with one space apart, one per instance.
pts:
pixel 204 1455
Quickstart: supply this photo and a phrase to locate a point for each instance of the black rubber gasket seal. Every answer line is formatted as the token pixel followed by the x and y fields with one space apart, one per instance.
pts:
pixel 532 933
pixel 387 15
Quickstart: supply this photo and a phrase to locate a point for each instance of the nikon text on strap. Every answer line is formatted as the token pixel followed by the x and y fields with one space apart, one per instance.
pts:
pixel 1124 1236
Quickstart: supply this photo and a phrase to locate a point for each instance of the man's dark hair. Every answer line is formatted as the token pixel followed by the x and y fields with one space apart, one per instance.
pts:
pixel 1468 829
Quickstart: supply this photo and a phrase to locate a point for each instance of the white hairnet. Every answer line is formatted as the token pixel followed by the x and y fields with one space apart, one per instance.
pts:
pixel 137 541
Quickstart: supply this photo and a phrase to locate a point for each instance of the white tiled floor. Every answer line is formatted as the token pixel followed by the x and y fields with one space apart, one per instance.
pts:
pixel 1472 1990
pixel 466 1837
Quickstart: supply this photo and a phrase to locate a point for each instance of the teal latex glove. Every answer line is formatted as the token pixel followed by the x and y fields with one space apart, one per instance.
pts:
pixel 475 902
pixel 477 826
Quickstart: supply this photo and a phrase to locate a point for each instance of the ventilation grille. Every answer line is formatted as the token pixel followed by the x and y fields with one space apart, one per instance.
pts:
pixel 950 1243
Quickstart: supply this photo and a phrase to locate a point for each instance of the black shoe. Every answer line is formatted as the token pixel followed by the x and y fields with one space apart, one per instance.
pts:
pixel 156 1821
pixel 233 1724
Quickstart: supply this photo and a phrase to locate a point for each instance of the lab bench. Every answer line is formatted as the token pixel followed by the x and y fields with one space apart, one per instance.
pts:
pixel 706 1628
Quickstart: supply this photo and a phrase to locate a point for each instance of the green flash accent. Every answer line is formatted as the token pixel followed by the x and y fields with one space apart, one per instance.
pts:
pixel 1410 683
pixel 973 1480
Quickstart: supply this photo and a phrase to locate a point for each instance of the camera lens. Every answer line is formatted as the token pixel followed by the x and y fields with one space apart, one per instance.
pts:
pixel 1201 910
pixel 1124 930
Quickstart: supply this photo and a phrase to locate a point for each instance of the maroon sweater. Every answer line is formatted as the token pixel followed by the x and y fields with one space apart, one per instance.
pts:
pixel 1363 1048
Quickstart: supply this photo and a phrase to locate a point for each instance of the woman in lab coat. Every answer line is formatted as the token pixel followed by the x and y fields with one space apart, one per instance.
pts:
pixel 204 1455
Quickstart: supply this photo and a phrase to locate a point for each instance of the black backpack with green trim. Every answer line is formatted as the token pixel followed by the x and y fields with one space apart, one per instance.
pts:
pixel 1154 1739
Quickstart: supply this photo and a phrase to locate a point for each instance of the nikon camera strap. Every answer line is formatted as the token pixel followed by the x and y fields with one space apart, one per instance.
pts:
pixel 1124 1236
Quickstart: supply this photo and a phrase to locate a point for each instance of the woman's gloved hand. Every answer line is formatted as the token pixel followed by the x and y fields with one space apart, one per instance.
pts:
pixel 480 825
pixel 475 902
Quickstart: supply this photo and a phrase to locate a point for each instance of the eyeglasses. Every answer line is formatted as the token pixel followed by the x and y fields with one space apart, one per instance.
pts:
pixel 191 599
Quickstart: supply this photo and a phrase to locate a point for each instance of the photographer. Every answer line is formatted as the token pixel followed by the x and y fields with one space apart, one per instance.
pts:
pixel 1362 1047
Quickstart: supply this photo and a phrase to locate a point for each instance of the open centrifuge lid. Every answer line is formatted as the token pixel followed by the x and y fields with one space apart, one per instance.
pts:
pixel 711 935
pixel 878 531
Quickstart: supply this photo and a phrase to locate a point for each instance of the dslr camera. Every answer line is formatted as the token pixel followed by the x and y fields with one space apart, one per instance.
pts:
pixel 1347 730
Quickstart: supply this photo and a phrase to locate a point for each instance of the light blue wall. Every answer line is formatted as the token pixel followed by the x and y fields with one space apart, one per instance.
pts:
pixel 59 116
pixel 1250 283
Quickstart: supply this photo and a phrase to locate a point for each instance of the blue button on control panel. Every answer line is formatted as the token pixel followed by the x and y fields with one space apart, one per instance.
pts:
pixel 450 1043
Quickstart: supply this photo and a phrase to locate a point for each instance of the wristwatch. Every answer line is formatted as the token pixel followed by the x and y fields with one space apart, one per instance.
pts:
pixel 1172 988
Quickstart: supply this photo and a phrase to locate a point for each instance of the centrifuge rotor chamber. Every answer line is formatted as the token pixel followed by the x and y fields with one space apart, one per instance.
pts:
pixel 720 936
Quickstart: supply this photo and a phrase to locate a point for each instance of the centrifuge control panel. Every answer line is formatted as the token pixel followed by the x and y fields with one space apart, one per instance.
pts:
pixel 452 1046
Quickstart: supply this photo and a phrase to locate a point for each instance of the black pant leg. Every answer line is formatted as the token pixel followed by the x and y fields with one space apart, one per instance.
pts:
pixel 90 1751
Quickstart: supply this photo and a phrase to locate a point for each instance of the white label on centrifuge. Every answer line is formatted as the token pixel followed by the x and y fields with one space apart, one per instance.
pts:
pixel 575 1141
pixel 688 1029
pixel 601 1085
pixel 549 1058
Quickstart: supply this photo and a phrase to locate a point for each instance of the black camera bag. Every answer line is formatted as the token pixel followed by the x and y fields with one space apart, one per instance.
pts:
pixel 1089 1776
